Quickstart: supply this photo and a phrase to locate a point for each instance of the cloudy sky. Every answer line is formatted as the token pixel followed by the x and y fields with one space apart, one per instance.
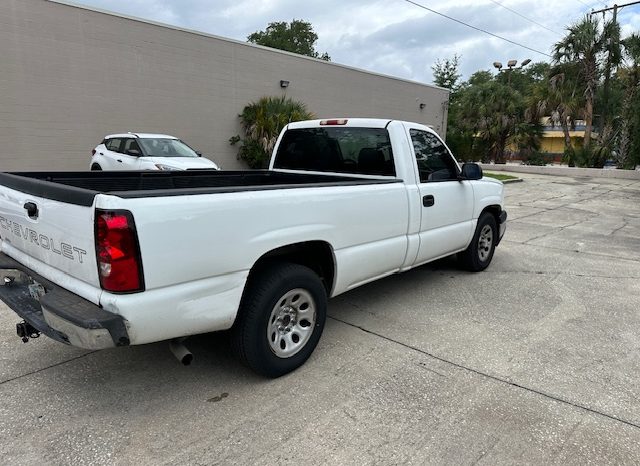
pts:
pixel 392 37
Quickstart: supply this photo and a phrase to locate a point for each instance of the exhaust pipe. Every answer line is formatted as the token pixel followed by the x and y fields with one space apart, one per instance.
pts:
pixel 180 351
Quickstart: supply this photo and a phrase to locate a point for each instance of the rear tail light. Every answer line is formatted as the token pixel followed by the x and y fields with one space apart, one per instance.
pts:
pixel 93 152
pixel 118 251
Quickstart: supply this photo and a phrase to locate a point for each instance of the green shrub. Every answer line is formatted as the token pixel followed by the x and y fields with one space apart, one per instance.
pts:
pixel 593 156
pixel 262 122
pixel 538 158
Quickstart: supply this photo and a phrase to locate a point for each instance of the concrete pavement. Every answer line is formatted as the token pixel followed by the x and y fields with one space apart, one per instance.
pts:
pixel 533 361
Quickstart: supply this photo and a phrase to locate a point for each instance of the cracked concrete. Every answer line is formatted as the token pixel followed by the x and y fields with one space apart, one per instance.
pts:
pixel 533 361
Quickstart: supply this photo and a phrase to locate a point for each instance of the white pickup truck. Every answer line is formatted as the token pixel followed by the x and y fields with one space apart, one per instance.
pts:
pixel 102 259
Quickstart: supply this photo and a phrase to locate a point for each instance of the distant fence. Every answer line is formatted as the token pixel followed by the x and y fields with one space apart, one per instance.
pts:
pixel 565 171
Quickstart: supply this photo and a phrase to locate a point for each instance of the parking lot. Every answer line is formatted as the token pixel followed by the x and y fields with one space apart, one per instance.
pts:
pixel 534 360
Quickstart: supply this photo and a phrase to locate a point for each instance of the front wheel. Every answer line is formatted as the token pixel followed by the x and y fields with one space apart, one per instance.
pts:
pixel 478 255
pixel 280 320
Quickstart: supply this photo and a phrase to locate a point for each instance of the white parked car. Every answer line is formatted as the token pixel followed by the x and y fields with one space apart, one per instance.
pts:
pixel 142 151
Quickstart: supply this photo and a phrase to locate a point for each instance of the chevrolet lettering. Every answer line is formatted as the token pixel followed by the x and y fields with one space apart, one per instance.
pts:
pixel 45 242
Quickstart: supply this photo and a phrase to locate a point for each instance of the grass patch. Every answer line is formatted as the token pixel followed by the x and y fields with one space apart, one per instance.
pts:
pixel 500 176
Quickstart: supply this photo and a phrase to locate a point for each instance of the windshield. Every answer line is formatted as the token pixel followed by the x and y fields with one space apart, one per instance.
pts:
pixel 164 147
pixel 365 151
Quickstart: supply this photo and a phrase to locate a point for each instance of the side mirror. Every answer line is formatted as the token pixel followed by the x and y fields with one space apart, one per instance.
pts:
pixel 471 171
pixel 199 153
pixel 134 152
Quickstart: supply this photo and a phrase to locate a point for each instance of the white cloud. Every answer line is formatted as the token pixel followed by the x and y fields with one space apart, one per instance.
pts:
pixel 387 36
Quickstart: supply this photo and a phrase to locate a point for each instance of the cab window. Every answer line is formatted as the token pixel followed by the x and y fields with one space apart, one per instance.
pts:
pixel 365 151
pixel 434 160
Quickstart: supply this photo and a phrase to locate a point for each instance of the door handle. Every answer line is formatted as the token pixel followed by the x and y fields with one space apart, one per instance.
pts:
pixel 119 160
pixel 428 200
pixel 101 153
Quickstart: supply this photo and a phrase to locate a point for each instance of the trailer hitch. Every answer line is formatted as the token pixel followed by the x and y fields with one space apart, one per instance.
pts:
pixel 25 331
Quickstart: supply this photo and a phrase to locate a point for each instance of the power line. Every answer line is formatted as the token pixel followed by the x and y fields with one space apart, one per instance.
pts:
pixel 477 28
pixel 524 17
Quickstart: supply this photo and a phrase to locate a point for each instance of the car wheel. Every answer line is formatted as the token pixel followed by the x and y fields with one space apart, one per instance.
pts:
pixel 280 320
pixel 96 167
pixel 478 255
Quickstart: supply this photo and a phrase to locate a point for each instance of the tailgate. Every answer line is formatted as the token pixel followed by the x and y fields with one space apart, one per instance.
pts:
pixel 50 236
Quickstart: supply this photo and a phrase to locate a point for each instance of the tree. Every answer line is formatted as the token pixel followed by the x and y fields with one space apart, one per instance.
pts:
pixel 480 77
pixel 629 139
pixel 445 73
pixel 582 45
pixel 533 85
pixel 611 45
pixel 262 122
pixel 491 110
pixel 297 37
pixel 564 102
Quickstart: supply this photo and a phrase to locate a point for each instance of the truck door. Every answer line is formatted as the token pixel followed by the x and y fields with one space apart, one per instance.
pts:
pixel 446 224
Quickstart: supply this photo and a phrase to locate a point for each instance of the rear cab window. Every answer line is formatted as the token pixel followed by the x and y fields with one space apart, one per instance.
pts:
pixel 365 151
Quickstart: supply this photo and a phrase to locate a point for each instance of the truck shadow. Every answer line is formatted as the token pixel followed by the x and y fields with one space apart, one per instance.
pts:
pixel 150 369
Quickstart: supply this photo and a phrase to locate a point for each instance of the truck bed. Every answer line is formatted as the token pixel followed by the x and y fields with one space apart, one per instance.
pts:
pixel 81 187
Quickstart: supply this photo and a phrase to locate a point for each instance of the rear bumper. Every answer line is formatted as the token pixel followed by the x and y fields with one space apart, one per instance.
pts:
pixel 58 313
pixel 502 225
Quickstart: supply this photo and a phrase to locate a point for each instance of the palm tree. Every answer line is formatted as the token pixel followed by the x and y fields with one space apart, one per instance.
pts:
pixel 262 122
pixel 564 103
pixel 582 44
pixel 628 141
pixel 611 45
pixel 491 110
pixel 632 50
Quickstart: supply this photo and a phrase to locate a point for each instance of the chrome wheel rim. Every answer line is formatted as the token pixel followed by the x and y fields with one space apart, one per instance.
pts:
pixel 484 242
pixel 291 323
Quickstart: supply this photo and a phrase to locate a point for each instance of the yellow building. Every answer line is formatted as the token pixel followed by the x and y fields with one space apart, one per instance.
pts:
pixel 553 138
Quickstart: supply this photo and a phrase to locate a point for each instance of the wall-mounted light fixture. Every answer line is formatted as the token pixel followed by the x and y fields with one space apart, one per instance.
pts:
pixel 422 105
pixel 284 84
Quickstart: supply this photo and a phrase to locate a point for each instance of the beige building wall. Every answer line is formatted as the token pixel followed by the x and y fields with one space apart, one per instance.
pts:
pixel 70 75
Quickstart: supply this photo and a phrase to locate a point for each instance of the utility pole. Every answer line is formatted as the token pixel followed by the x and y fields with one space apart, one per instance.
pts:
pixel 604 10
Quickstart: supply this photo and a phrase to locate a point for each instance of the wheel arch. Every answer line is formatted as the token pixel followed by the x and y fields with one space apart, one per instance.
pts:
pixel 317 255
pixel 493 209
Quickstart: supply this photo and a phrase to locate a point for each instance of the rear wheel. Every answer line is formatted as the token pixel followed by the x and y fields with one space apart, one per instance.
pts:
pixel 281 318
pixel 96 167
pixel 478 255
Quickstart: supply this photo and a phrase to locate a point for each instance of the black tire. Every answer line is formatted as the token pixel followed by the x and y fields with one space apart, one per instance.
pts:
pixel 265 294
pixel 478 255
pixel 96 167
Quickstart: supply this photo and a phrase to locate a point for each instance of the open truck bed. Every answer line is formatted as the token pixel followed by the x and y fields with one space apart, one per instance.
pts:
pixel 81 187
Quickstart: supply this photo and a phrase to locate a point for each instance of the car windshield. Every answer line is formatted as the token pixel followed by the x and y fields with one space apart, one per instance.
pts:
pixel 165 147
